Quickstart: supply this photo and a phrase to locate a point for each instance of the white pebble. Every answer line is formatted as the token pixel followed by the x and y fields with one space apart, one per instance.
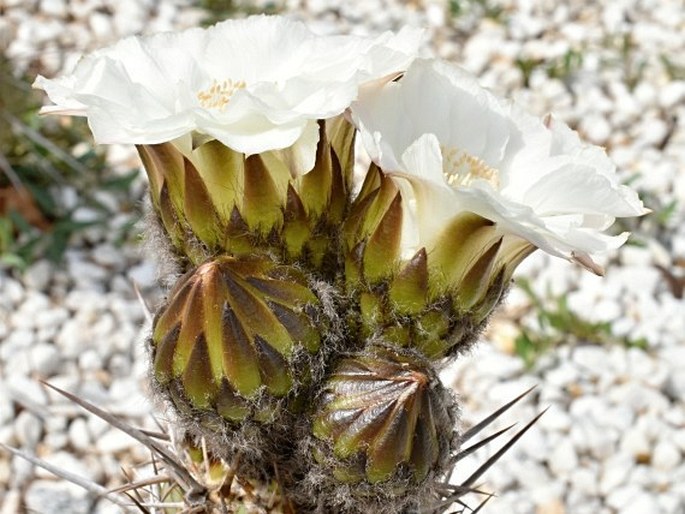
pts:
pixel 90 360
pixel 642 503
pixel 26 391
pixel 563 458
pixel 109 256
pixel 653 131
pixel 22 472
pixel 12 291
pixel 596 129
pixel 12 500
pixel 143 274
pixel 66 461
pixel 56 497
pixel 671 504
pixel 28 428
pixel 79 435
pixel 585 480
pixel 37 276
pixel 672 94
pixel 45 359
pixel 615 471
pixel 51 318
pixel 555 419
pixel 666 456
pixel 635 443
pixel 114 441
pixel 591 358
pixel 6 407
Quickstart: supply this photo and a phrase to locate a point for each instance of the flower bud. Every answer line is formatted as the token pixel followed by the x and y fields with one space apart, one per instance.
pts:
pixel 230 339
pixel 383 416
pixel 211 199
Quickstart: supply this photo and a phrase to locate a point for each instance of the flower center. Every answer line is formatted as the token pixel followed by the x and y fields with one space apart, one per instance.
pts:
pixel 461 168
pixel 219 94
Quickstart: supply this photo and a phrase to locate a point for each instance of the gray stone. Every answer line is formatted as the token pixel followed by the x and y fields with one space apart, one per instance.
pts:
pixel 615 471
pixel 38 275
pixel 79 435
pixel 66 461
pixel 53 317
pixel 22 472
pixel 621 497
pixel 114 441
pixel 11 502
pixel 28 428
pixel 109 256
pixel 12 292
pixel 641 503
pixel 26 391
pixel 635 442
pixel 6 407
pixel 671 503
pixel 45 359
pixel 143 274
pixel 8 435
pixel 563 459
pixel 56 498
pixel 666 455
pixel 585 481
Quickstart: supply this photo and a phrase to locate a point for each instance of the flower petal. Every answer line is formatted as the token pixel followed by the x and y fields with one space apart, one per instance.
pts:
pixel 453 147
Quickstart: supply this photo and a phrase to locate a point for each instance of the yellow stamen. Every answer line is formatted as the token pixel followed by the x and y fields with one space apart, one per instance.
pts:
pixel 461 168
pixel 219 94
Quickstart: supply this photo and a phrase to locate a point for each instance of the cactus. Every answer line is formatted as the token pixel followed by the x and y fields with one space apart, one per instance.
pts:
pixel 300 341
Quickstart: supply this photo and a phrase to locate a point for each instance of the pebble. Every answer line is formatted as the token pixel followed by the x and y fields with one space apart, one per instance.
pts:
pixel 143 274
pixel 26 391
pixel 108 256
pixel 64 460
pixel 56 8
pixel 6 408
pixel 585 481
pixel 672 94
pixel 666 456
pixel 11 503
pixel 12 291
pixel 56 498
pixel 114 441
pixel 28 428
pixel 37 276
pixel 635 442
pixel 45 359
pixel 79 435
pixel 642 503
pixel 22 472
pixel 563 458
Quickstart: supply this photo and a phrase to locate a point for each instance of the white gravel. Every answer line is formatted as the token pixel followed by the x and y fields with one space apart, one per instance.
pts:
pixel 613 439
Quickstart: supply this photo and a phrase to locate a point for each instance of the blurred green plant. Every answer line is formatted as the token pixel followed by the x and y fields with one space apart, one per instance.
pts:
pixel 42 162
pixel 558 325
pixel 480 8
pixel 218 10
pixel 561 68
pixel 655 226
pixel 624 56
pixel 673 70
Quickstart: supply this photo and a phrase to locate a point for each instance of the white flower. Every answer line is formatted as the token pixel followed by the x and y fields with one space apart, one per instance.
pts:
pixel 452 147
pixel 255 85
